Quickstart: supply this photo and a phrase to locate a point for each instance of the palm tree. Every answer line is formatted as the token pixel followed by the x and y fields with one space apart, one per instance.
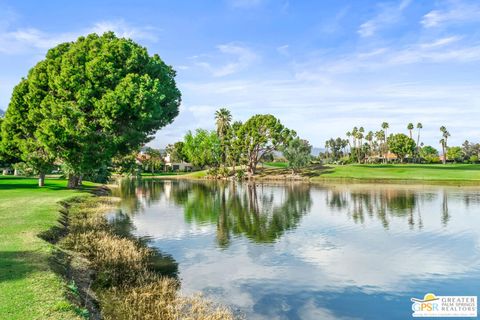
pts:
pixel 380 136
pixel 445 135
pixel 385 126
pixel 361 130
pixel 442 142
pixel 369 138
pixel 410 128
pixel 355 138
pixel 419 127
pixel 349 134
pixel 327 145
pixel 223 119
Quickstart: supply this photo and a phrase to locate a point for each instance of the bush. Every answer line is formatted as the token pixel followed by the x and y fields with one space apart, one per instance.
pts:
pixel 240 174
pixel 212 172
pixel 473 159
pixel 344 160
pixel 224 172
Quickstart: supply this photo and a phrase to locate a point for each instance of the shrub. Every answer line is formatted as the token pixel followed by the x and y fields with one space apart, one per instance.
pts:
pixel 240 174
pixel 473 159
pixel 224 172
pixel 345 160
pixel 212 172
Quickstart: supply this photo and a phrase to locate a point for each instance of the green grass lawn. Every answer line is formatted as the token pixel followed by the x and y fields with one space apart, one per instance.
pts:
pixel 276 164
pixel 29 289
pixel 421 172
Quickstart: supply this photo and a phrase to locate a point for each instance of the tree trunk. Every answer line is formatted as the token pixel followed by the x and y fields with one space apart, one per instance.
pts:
pixel 72 181
pixel 80 180
pixel 444 158
pixel 417 156
pixel 5 172
pixel 41 179
pixel 16 173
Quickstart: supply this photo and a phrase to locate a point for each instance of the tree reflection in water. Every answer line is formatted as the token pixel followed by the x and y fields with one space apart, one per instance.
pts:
pixel 263 213
pixel 260 213
pixel 131 191
pixel 384 204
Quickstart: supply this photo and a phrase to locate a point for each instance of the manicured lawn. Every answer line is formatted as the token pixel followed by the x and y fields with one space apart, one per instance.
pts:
pixel 422 172
pixel 29 289
pixel 276 164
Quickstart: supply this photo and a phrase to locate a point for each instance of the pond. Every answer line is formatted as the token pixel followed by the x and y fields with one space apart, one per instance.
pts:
pixel 301 251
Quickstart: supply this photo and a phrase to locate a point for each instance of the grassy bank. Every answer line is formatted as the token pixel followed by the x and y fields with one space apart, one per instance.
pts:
pixel 116 271
pixel 29 289
pixel 397 172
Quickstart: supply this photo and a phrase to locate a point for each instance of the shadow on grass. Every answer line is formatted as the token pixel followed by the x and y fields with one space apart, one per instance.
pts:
pixel 16 265
pixel 10 183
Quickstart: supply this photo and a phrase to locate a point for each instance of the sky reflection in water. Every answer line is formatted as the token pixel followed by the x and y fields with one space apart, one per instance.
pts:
pixel 312 252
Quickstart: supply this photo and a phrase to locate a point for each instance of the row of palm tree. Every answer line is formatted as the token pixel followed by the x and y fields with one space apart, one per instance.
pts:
pixel 363 145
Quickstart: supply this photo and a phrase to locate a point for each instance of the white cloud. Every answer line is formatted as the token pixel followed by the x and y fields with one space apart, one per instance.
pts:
pixel 124 30
pixel 283 50
pixel 457 12
pixel 321 108
pixel 25 39
pixel 441 42
pixel 388 15
pixel 239 58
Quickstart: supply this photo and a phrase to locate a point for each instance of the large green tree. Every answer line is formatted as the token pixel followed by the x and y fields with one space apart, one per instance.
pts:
pixel 202 148
pixel 261 134
pixel 455 154
pixel 93 99
pixel 234 150
pixel 153 160
pixel 298 153
pixel 176 152
pixel 401 145
pixel 20 135
pixel 430 154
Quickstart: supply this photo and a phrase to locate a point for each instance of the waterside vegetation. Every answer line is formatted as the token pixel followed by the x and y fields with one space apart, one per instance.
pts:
pixel 110 275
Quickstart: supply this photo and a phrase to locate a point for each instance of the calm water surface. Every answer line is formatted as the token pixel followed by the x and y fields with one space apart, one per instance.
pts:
pixel 298 251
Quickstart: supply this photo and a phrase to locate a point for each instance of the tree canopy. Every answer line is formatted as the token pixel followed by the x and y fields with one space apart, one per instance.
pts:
pixel 298 153
pixel 202 148
pixel 401 145
pixel 89 101
pixel 261 134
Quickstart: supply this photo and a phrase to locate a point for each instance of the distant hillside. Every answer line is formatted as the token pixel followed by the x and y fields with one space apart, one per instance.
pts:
pixel 2 113
pixel 315 152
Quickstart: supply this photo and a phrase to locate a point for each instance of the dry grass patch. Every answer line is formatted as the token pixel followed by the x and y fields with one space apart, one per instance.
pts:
pixel 158 299
pixel 126 285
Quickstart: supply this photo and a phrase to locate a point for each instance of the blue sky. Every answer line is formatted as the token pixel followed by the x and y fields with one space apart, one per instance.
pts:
pixel 322 67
